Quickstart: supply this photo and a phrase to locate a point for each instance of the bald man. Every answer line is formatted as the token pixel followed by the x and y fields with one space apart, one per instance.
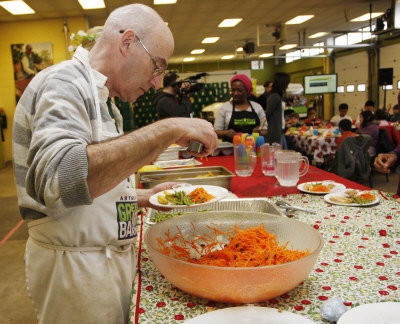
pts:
pixel 73 169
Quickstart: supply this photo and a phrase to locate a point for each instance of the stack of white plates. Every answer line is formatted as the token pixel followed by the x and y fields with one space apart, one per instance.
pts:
pixel 171 153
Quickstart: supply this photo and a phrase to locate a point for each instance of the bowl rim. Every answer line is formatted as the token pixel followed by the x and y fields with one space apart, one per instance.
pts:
pixel 311 255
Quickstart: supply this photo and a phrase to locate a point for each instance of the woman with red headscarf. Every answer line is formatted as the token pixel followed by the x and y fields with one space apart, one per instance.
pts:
pixel 239 115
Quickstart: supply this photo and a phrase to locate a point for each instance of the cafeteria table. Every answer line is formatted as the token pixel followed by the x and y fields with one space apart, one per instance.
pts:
pixel 359 261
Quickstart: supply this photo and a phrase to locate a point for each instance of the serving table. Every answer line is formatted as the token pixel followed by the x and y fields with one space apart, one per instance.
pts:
pixel 359 262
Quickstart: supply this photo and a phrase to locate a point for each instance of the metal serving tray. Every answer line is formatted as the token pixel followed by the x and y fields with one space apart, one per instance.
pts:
pixel 262 205
pixel 222 176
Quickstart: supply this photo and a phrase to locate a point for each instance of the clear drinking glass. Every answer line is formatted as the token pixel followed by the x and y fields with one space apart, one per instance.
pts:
pixel 245 160
pixel 287 167
pixel 267 158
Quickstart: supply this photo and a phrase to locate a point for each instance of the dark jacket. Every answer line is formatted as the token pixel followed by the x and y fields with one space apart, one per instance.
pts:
pixel 274 118
pixel 353 160
pixel 167 105
pixel 262 100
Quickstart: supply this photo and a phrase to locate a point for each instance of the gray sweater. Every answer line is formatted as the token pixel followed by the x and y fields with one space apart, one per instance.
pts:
pixel 54 121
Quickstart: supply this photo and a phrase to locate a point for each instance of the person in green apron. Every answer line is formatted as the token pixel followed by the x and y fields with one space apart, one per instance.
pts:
pixel 240 115
pixel 73 169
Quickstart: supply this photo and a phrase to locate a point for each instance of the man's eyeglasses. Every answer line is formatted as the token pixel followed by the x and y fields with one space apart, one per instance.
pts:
pixel 158 69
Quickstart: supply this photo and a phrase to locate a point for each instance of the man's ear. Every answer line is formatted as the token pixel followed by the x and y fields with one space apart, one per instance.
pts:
pixel 126 41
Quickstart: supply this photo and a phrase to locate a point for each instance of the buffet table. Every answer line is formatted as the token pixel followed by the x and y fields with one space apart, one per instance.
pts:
pixel 359 262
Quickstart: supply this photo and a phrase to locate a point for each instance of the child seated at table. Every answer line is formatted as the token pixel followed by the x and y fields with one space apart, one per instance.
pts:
pixel 293 120
pixel 312 119
pixel 345 130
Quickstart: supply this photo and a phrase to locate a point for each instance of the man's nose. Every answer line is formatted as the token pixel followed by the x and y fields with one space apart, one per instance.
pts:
pixel 156 82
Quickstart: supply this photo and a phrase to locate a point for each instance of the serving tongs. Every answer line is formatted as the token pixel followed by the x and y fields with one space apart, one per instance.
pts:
pixel 288 207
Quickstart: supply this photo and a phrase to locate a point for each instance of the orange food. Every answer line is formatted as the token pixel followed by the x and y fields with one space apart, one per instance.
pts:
pixel 200 195
pixel 320 188
pixel 252 247
pixel 367 196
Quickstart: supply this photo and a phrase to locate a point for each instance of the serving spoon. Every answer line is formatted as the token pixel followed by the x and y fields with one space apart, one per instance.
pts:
pixel 287 207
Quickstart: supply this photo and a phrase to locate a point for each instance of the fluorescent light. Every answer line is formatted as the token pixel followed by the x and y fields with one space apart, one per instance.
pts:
pixel 209 40
pixel 17 7
pixel 240 49
pixel 232 22
pixel 367 16
pixel 198 51
pixel 92 4
pixel 287 46
pixel 188 59
pixel 317 35
pixel 161 2
pixel 299 19
pixel 227 57
pixel 266 55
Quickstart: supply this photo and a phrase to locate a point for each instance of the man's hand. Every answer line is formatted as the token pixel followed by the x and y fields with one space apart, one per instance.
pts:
pixel 185 86
pixel 145 194
pixel 198 130
pixel 383 162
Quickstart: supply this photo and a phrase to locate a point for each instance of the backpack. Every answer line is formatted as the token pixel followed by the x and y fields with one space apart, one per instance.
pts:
pixel 353 160
pixel 384 144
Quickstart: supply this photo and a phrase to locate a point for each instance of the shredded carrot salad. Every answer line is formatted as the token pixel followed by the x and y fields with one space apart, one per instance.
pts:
pixel 200 195
pixel 320 188
pixel 367 196
pixel 251 247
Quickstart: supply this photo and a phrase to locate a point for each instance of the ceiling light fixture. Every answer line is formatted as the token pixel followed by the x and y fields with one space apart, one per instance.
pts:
pixel 317 35
pixel 227 57
pixel 240 49
pixel 92 4
pixel 161 2
pixel 231 22
pixel 266 55
pixel 367 16
pixel 17 7
pixel 287 46
pixel 209 40
pixel 188 59
pixel 299 19
pixel 198 51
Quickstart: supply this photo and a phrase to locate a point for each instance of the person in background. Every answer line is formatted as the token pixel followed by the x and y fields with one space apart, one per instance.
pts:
pixel 312 119
pixel 369 106
pixel 240 115
pixel 343 109
pixel 385 161
pixel 294 120
pixel 369 127
pixel 345 131
pixel 395 117
pixel 173 100
pixel 74 170
pixel 275 110
pixel 262 99
pixel 381 117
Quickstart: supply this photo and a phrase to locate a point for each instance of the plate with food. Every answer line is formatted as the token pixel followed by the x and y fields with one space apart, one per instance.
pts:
pixel 321 187
pixel 352 198
pixel 188 196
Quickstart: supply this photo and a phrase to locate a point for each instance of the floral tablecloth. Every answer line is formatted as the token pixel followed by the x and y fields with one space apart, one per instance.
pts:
pixel 359 263
pixel 316 146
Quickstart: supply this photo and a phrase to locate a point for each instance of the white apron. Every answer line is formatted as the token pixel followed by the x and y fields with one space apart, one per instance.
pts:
pixel 80 267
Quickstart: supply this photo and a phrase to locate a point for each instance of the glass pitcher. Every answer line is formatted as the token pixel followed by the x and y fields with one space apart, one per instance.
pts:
pixel 288 167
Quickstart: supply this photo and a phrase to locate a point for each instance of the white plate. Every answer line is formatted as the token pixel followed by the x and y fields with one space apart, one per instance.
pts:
pixel 249 315
pixel 343 194
pixel 375 313
pixel 217 192
pixel 177 163
pixel 338 187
